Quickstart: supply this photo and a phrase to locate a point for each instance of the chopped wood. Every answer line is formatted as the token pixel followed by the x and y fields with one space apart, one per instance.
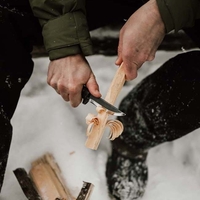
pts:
pixel 46 183
pixel 85 191
pixel 46 175
pixel 26 184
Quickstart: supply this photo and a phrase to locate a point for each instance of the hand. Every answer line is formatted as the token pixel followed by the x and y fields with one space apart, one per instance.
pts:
pixel 139 38
pixel 68 75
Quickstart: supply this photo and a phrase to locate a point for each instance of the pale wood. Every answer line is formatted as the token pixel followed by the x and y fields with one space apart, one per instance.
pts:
pixel 46 176
pixel 116 86
pixel 97 130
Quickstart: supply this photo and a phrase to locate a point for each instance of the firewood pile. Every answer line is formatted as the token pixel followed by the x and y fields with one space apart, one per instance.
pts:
pixel 44 181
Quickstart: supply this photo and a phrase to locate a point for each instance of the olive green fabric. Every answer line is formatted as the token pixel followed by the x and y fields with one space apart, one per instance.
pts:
pixel 178 14
pixel 65 30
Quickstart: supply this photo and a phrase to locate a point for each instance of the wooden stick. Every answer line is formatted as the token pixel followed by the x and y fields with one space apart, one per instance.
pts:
pixel 97 130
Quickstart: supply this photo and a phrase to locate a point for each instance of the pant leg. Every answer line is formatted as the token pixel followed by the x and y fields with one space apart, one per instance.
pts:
pixel 15 70
pixel 162 107
pixel 194 32
pixel 165 105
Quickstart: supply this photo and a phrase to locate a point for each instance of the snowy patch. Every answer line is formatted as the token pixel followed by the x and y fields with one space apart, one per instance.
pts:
pixel 43 122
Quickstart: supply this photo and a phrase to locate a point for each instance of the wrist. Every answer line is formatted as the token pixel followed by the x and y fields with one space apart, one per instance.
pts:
pixel 156 16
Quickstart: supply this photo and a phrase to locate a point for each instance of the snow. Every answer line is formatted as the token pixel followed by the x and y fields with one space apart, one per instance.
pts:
pixel 43 123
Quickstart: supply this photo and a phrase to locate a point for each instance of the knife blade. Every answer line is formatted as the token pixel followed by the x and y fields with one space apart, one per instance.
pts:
pixel 88 97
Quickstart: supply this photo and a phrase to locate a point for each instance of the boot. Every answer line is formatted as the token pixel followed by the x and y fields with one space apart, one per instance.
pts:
pixel 127 176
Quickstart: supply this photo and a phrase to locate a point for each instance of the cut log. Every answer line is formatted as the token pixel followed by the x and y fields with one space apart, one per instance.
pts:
pixel 26 184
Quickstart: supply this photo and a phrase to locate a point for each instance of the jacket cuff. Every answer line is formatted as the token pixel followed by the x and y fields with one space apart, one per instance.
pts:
pixel 166 16
pixel 63 52
pixel 178 14
pixel 67 35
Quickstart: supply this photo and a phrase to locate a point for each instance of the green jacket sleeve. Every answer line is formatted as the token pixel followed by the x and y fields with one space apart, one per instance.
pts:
pixel 64 27
pixel 178 14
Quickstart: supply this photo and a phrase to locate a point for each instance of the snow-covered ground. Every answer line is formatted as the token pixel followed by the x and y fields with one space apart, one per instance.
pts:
pixel 43 123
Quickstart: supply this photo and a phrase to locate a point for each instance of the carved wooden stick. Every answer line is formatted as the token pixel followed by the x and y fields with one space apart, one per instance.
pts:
pixel 97 129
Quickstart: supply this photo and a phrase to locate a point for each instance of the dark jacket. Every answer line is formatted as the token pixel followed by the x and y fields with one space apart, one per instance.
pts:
pixel 64 25
pixel 20 6
pixel 65 28
pixel 178 14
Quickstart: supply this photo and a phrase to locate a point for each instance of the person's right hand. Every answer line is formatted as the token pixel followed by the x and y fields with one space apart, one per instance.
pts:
pixel 139 38
pixel 68 75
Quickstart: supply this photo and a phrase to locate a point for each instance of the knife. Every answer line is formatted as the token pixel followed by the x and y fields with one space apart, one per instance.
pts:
pixel 87 97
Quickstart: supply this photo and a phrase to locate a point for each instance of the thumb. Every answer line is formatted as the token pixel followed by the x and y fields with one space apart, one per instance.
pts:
pixel 119 60
pixel 93 86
